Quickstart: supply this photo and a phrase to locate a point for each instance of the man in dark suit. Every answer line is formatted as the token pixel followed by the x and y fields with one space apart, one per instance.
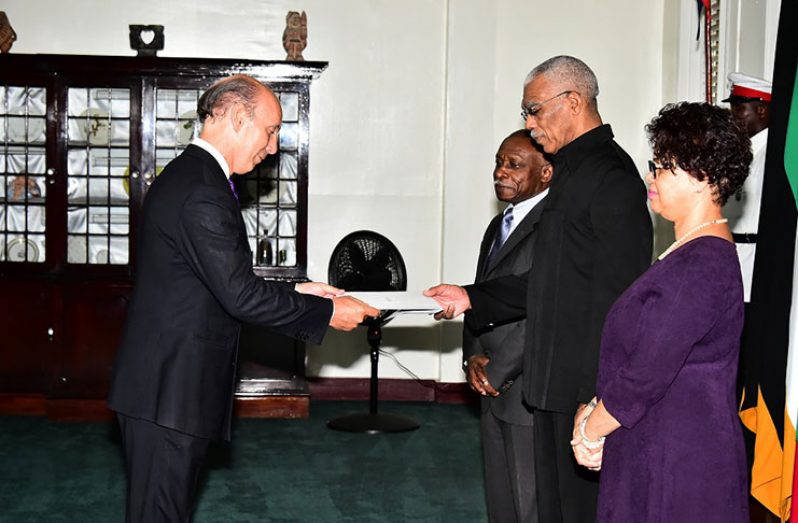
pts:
pixel 594 239
pixel 174 374
pixel 494 357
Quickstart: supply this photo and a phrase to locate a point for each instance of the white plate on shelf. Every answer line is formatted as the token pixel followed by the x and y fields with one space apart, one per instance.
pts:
pixel 95 127
pixel 16 250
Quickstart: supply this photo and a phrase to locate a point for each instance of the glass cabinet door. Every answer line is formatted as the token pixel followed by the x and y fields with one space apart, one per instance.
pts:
pixel 268 194
pixel 98 175
pixel 23 140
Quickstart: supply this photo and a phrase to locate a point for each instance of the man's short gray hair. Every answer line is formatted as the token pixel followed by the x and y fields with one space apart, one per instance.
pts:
pixel 568 72
pixel 218 98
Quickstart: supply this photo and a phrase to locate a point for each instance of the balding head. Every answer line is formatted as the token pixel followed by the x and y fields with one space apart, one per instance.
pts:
pixel 221 95
pixel 241 118
pixel 522 170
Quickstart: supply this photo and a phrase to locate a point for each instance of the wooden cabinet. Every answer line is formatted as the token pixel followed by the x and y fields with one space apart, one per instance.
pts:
pixel 81 140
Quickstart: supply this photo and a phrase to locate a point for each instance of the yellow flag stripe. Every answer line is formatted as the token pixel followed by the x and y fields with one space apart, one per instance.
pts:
pixel 772 472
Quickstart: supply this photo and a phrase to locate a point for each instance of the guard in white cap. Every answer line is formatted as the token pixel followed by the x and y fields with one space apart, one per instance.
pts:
pixel 749 99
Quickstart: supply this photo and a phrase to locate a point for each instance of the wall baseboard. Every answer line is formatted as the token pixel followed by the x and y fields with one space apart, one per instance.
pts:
pixel 23 404
pixel 390 390
pixel 284 407
pixel 264 406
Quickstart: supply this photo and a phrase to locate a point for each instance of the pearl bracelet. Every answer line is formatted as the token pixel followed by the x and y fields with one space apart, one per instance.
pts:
pixel 592 445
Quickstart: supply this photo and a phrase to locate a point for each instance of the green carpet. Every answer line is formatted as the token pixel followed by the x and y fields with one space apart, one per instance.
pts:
pixel 274 470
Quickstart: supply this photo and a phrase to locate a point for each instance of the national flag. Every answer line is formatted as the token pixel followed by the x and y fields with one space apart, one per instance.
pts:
pixel 770 402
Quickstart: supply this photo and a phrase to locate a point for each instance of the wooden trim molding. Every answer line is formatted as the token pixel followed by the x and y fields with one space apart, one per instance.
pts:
pixel 23 404
pixel 390 390
pixel 285 406
pixel 79 410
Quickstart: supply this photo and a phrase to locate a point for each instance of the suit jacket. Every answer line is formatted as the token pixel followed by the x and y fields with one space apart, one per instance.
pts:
pixel 504 344
pixel 194 285
pixel 597 237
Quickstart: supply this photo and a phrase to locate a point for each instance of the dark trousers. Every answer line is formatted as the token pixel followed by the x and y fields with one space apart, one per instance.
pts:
pixel 163 468
pixel 508 457
pixel 567 492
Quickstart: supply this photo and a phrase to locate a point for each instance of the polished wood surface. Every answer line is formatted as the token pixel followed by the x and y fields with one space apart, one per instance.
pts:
pixel 27 350
pixel 272 407
pixel 93 316
pixel 64 409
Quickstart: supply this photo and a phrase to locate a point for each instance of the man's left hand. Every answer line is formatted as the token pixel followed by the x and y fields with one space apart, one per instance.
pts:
pixel 478 376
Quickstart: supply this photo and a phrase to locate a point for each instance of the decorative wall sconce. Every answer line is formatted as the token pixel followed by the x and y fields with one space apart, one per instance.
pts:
pixel 147 40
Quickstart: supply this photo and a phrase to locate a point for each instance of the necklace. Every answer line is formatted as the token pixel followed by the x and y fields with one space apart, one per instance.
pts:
pixel 689 233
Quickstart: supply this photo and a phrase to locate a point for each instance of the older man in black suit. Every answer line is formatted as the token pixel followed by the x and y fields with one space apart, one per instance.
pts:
pixel 174 374
pixel 594 239
pixel 494 357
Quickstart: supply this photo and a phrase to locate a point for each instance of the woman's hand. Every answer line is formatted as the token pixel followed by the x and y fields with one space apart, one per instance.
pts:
pixel 590 458
pixel 591 423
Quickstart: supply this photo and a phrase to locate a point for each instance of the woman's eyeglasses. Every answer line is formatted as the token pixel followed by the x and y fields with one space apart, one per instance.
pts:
pixel 653 168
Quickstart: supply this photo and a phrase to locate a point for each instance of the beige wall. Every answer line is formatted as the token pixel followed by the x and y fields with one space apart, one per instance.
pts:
pixel 406 119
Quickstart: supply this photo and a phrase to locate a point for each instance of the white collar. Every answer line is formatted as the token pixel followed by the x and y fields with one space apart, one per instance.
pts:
pixel 521 209
pixel 213 151
pixel 760 139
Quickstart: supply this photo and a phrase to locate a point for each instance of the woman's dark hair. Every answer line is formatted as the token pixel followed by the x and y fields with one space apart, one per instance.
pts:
pixel 705 141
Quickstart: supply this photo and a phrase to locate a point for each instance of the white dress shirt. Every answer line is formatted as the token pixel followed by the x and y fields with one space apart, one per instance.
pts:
pixel 520 210
pixel 743 214
pixel 213 151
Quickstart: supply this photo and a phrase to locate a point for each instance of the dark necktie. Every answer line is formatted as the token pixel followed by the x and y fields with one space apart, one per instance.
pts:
pixel 233 187
pixel 501 236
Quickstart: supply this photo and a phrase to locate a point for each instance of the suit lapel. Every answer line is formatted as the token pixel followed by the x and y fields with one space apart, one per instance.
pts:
pixel 487 241
pixel 217 178
pixel 524 229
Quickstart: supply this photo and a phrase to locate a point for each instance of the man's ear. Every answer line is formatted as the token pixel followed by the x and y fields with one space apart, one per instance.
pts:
pixel 575 102
pixel 762 111
pixel 238 116
pixel 546 173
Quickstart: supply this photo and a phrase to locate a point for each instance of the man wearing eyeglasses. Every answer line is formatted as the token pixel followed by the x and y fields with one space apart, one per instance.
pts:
pixel 594 239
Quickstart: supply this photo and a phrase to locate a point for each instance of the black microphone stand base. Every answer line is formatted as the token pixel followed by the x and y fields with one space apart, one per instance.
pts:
pixel 373 423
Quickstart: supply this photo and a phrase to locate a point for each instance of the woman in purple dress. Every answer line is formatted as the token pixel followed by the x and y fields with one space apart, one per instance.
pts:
pixel 666 382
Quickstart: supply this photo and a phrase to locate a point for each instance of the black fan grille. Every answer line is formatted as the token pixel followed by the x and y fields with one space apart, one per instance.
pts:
pixel 367 261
